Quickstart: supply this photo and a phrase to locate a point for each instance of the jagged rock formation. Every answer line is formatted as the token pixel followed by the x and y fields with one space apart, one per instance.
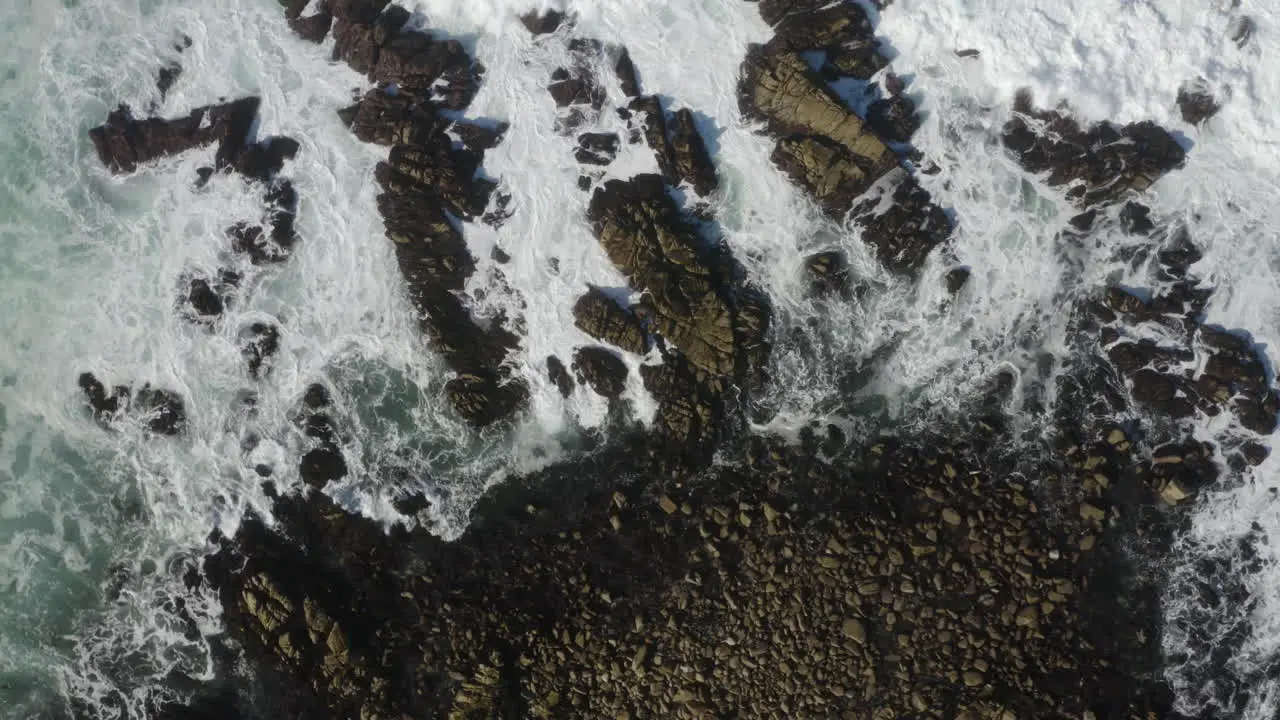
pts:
pixel 823 146
pixel 162 412
pixel 429 183
pixel 125 142
pixel 1098 165
pixel 599 316
pixel 259 344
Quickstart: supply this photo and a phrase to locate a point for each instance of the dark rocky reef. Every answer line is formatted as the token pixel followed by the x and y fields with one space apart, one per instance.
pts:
pixel 1097 165
pixel 161 412
pixel 823 145
pixel 430 187
pixel 125 142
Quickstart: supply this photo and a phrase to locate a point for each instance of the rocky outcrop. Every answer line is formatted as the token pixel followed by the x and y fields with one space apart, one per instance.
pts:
pixel 837 586
pixel 601 369
pixel 597 148
pixel 542 23
pixel 576 89
pixel 125 142
pixel 203 299
pixel 429 183
pixel 642 231
pixel 598 315
pixel 823 146
pixel 559 376
pixel 323 462
pixel 161 412
pixel 1097 165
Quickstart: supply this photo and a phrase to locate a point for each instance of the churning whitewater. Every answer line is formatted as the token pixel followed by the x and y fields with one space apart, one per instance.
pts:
pixel 98 529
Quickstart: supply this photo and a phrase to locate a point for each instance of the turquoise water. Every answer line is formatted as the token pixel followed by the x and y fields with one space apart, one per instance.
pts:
pixel 98 528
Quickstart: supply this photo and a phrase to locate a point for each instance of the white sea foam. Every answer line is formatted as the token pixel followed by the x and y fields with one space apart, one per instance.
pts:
pixel 89 264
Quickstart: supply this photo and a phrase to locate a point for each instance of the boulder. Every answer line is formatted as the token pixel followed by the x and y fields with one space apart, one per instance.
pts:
pixel 825 170
pixel 780 89
pixel 689 157
pixel 323 462
pixel 312 28
pixel 599 316
pixel 542 23
pixel 601 369
pixel 559 376
pixel 642 231
pixel 167 76
pixel 1196 102
pixel 162 412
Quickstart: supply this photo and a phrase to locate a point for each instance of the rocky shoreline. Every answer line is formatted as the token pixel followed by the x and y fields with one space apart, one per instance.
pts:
pixel 968 574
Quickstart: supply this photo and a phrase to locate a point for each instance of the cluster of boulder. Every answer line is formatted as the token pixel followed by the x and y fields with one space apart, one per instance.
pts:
pixel 823 145
pixel 710 329
pixel 832 582
pixel 429 183
pixel 124 144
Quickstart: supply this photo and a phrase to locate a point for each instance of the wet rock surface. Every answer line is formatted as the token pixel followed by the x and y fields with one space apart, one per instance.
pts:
pixel 161 412
pixel 431 188
pixel 1099 164
pixel 823 146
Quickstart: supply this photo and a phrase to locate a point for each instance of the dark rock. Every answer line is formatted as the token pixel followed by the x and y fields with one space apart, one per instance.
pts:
pixel 106 407
pixel 203 175
pixel 909 229
pixel 1196 102
pixel 1241 30
pixel 313 28
pixel 353 43
pixel 859 59
pixel 821 28
pixel 259 245
pixel 1099 164
pixel 585 182
pixel 956 279
pixel 596 314
pixel 163 411
pixel 124 143
pixel 597 148
pixel 259 345
pixel 557 373
pixel 482 400
pixel 1135 218
pixel 317 397
pixel 167 77
pixel 294 8
pixel 322 465
pixel 435 174
pixel 968 53
pixel 602 369
pixel 394 119
pixel 436 70
pixel 829 272
pixel 542 23
pixel 478 138
pixel 625 69
pixel 894 118
pixel 1083 222
pixel 691 413
pixel 689 157
pixel 646 116
pixel 261 161
pixel 205 298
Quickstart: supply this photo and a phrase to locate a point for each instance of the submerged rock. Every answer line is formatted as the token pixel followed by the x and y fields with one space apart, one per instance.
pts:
pixel 260 343
pixel 1196 102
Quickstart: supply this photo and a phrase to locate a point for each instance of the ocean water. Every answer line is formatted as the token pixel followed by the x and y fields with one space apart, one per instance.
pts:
pixel 97 528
